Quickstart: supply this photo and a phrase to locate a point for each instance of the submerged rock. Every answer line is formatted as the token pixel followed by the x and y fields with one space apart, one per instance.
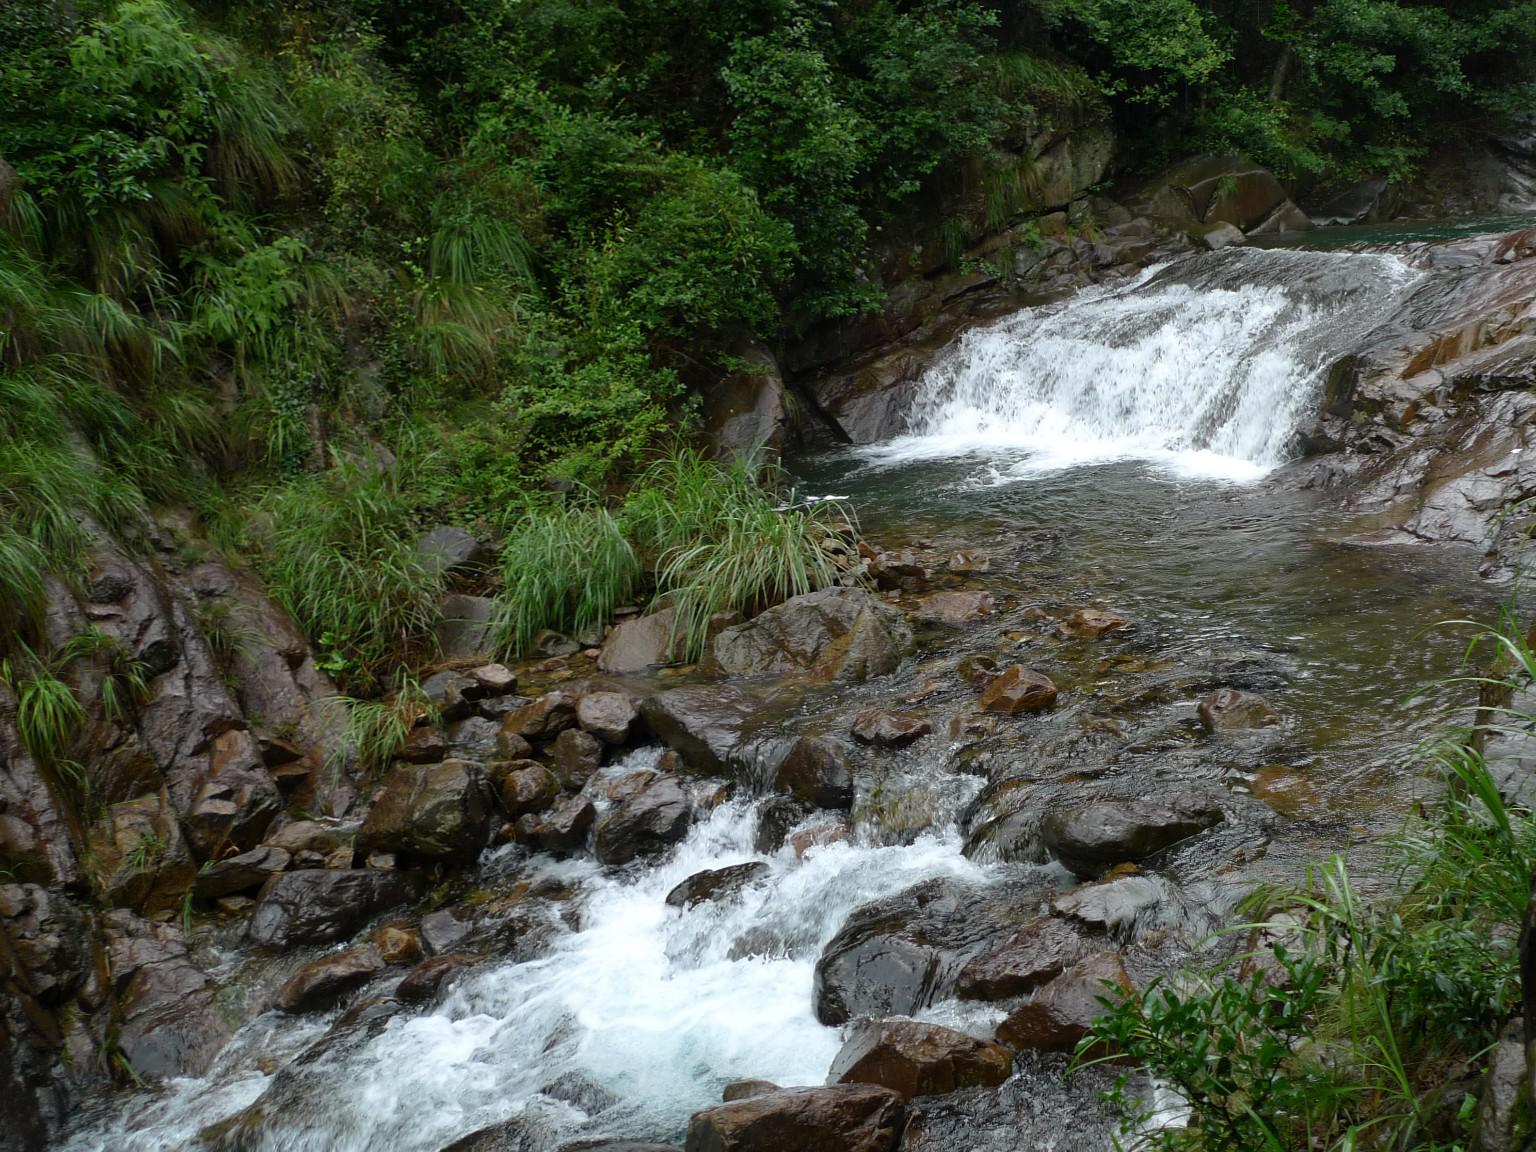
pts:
pixel 1018 689
pixel 835 634
pixel 715 884
pixel 889 729
pixel 954 607
pixel 840 1118
pixel 423 981
pixel 918 1059
pixel 1227 709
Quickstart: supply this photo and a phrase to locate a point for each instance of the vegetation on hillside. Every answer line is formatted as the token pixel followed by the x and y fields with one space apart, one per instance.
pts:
pixel 330 271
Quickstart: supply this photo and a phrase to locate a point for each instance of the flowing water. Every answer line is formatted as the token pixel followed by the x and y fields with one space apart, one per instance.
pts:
pixel 1119 450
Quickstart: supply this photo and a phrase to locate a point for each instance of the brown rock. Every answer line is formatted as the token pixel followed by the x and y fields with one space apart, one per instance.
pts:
pixel 546 716
pixel 607 715
pixel 528 787
pixel 954 607
pixel 889 729
pixel 636 645
pixel 397 945
pixel 576 755
pixel 494 680
pixel 715 884
pixel 817 772
pixel 918 1059
pixel 562 829
pixel 818 836
pixel 966 561
pixel 742 1089
pixel 422 982
pixel 241 873
pixel 1039 952
pixel 426 744
pixel 321 983
pixel 840 1118
pixel 1091 624
pixel 835 634
pixel 511 746
pixel 1063 1011
pixel 1018 690
pixel 1227 709
pixel 437 811
pixel 138 857
pixel 1091 838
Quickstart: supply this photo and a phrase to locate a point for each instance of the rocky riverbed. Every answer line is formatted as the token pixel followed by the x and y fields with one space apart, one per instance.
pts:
pixel 850 882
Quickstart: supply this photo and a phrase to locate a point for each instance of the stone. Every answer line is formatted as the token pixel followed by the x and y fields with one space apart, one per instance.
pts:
pixel 709 725
pixel 715 884
pixel 168 1020
pixel 968 561
pixel 474 738
pixel 917 1059
pixel 645 642
pixel 954 607
pixel 448 548
pixel 817 771
pixel 319 836
pixel 645 824
pixel 561 830
pixel 424 744
pixel 451 693
pixel 231 802
pixel 493 680
pixel 510 747
pixel 466 627
pixel 742 1089
pixel 1016 690
pixel 1228 710
pixel 432 811
pixel 1091 838
pixel 1063 1011
pixel 242 873
pixel 1219 236
pixel 840 1118
pixel 321 984
pixel 1214 189
pixel 837 634
pixel 1503 1123
pixel 528 789
pixel 889 729
pixel 1037 953
pixel 323 905
pixel 543 718
pixel 746 412
pixel 397 945
pixel 575 756
pixel 610 716
pixel 1092 624
pixel 422 982
pixel 1286 217
pixel 1112 906
pixel 776 816
pixel 138 858
pixel 834 831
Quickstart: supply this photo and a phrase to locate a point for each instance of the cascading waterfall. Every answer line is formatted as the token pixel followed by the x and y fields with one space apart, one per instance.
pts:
pixel 1206 367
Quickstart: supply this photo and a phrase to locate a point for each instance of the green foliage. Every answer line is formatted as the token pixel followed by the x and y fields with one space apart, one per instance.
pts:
pixel 339 553
pixel 377 729
pixel 48 715
pixel 1148 51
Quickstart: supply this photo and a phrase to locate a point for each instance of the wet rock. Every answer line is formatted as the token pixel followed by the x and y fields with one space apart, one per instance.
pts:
pixel 1036 954
pixel 493 680
pixel 969 561
pixel 917 1059
pixel 715 884
pixel 1209 190
pixel 321 983
pixel 169 1023
pixel 610 716
pixel 635 645
pixel 398 945
pixel 834 831
pixel 1063 1011
pixel 508 1136
pixel 230 802
pixel 743 1089
pixel 816 771
pixel 435 811
pixel 897 955
pixel 1227 710
pixel 1092 624
pixel 1091 838
pixel 841 1118
pixel 836 634
pixel 562 829
pixel 242 873
pixel 776 816
pixel 323 837
pixel 448 548
pixel 954 607
pixel 576 755
pixel 580 1091
pixel 466 626
pixel 528 787
pixel 49 941
pixel 889 729
pixel 452 693
pixel 138 858
pixel 746 412
pixel 542 718
pixel 1016 690
pixel 617 1146
pixel 475 738
pixel 645 824
pixel 1219 236
pixel 320 906
pixel 422 982
pixel 424 744
pixel 709 725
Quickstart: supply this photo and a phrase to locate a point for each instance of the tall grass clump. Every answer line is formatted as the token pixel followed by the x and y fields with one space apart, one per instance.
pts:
pixel 1340 1031
pixel 340 555
pixel 376 730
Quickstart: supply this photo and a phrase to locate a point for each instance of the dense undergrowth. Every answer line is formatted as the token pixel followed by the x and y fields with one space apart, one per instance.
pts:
pixel 332 271
pixel 1352 1022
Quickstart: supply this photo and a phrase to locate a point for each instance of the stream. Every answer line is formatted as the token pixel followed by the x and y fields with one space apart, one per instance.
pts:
pixel 1124 450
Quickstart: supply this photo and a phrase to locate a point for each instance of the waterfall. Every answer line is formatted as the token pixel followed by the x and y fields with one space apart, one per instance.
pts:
pixel 1205 367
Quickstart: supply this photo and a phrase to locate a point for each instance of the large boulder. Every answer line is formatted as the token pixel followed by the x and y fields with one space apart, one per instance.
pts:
pixel 1092 838
pixel 899 954
pixel 711 726
pixel 449 548
pixel 321 983
pixel 323 905
pixel 610 716
pixel 1063 1011
pixel 646 823
pixel 170 1022
pixel 835 634
pixel 433 811
pixel 918 1059
pixel 840 1118
pixel 817 772
pixel 1232 190
pixel 745 413
pixel 244 872
pixel 641 643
